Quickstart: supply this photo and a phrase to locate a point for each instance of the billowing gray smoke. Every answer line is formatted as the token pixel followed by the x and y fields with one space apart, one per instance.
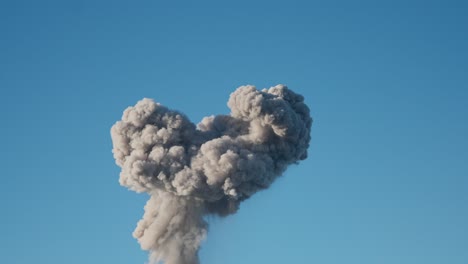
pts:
pixel 191 171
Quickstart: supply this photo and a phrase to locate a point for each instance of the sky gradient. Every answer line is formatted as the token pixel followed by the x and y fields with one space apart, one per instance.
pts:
pixel 386 180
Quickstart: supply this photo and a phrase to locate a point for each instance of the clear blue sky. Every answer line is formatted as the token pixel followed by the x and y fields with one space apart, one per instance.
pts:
pixel 387 176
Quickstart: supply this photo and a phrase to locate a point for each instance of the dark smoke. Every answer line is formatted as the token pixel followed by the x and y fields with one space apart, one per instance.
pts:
pixel 191 171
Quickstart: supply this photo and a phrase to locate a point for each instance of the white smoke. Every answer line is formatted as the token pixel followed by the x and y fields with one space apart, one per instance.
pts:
pixel 191 171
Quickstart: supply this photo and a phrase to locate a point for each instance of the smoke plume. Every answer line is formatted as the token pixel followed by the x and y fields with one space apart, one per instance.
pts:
pixel 193 170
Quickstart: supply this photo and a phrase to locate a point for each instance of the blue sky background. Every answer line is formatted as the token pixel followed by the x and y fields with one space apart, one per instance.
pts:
pixel 386 180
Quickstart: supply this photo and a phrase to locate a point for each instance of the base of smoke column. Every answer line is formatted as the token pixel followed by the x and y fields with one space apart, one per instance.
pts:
pixel 172 228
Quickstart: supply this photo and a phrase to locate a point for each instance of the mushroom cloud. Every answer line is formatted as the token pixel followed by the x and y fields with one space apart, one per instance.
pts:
pixel 191 170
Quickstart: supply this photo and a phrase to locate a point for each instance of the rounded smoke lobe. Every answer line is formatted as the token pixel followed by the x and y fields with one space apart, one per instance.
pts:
pixel 193 170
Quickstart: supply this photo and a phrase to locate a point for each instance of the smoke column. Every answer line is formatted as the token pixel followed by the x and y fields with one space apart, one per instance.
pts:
pixel 193 170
